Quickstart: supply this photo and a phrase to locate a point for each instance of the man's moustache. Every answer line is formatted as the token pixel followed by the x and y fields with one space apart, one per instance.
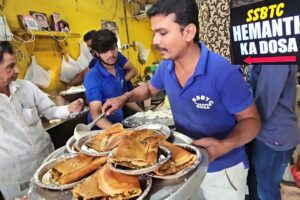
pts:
pixel 160 48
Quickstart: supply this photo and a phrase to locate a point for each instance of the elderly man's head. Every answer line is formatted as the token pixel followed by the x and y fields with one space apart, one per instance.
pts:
pixel 8 64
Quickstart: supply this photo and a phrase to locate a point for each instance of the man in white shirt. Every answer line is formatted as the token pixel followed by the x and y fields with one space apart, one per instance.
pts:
pixel 24 142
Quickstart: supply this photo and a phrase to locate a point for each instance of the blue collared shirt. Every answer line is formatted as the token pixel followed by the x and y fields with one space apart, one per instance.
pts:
pixel 121 61
pixel 207 104
pixel 274 88
pixel 101 85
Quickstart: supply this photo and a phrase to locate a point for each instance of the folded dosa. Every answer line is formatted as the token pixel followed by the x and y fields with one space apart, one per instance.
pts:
pixel 117 185
pixel 135 154
pixel 147 135
pixel 75 168
pixel 179 160
pixel 88 189
pixel 108 139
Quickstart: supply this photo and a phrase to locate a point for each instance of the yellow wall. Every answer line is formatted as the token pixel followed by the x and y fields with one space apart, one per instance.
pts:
pixel 82 15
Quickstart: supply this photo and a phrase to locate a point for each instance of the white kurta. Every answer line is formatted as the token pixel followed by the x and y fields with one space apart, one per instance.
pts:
pixel 23 141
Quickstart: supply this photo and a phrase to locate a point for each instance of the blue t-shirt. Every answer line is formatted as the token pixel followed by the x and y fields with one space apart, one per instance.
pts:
pixel 101 85
pixel 206 105
pixel 121 61
pixel 274 89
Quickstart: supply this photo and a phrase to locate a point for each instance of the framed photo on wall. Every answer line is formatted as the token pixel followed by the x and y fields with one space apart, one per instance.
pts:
pixel 55 18
pixel 29 22
pixel 41 19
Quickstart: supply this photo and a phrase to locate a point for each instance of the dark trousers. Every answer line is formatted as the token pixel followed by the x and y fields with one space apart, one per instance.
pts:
pixel 266 170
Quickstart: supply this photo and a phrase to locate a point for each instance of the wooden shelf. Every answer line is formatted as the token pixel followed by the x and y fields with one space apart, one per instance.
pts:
pixel 48 33
pixel 140 16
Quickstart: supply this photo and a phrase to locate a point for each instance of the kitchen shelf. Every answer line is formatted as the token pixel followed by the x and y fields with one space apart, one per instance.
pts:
pixel 23 32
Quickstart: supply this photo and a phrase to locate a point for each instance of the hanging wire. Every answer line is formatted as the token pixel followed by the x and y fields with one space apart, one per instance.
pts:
pixel 3 4
pixel 115 10
pixel 53 36
pixel 15 37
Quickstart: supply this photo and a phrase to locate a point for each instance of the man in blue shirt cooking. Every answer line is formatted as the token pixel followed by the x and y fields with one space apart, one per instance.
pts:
pixel 209 98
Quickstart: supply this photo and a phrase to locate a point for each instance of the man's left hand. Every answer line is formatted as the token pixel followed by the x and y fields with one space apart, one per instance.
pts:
pixel 215 148
pixel 76 106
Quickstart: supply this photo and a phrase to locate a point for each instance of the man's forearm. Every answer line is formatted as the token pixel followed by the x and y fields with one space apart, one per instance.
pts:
pixel 138 94
pixel 129 76
pixel 104 123
pixel 245 131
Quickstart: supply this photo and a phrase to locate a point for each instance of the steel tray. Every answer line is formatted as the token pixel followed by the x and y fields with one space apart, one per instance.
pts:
pixel 172 189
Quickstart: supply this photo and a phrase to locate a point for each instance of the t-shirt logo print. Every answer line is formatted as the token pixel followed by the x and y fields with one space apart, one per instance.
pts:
pixel 203 102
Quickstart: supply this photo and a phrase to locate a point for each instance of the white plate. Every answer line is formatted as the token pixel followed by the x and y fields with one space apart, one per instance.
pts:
pixel 186 170
pixel 163 154
pixel 73 90
pixel 159 128
pixel 42 175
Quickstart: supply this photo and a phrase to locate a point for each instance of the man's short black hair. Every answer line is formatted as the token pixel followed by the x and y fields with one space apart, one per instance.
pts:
pixel 89 35
pixel 186 12
pixel 103 41
pixel 5 47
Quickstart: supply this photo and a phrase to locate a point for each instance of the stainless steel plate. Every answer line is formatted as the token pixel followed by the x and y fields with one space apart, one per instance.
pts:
pixel 70 145
pixel 160 128
pixel 187 170
pixel 146 183
pixel 55 154
pixel 164 117
pixel 42 175
pixel 80 145
pixel 163 156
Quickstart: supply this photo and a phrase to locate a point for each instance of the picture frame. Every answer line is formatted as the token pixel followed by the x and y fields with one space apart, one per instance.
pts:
pixel 41 19
pixel 29 22
pixel 63 26
pixel 55 18
pixel 22 22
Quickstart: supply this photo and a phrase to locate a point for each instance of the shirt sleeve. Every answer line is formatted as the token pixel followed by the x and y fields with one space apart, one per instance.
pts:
pixel 270 85
pixel 234 91
pixel 46 106
pixel 121 59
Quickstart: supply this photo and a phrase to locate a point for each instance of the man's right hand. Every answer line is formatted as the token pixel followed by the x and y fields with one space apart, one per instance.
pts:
pixel 114 104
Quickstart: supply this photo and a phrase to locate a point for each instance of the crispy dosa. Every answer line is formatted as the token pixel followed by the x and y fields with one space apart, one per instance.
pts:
pixel 145 135
pixel 108 139
pixel 180 159
pixel 88 189
pixel 117 185
pixel 75 168
pixel 135 154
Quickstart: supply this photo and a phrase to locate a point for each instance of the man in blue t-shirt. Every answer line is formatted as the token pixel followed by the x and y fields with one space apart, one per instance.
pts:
pixel 106 79
pixel 129 69
pixel 209 98
pixel 274 89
